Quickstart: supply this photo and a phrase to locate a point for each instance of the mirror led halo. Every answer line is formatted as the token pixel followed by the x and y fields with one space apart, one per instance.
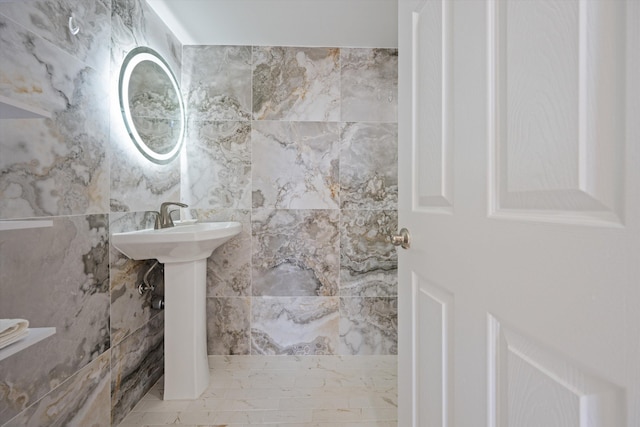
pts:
pixel 133 59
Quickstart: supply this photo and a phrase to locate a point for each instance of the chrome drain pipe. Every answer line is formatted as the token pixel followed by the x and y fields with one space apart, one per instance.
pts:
pixel 145 286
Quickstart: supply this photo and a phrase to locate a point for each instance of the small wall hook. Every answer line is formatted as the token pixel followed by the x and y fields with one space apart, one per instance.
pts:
pixel 73 27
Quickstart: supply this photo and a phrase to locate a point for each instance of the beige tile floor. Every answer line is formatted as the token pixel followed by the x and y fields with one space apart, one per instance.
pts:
pixel 306 391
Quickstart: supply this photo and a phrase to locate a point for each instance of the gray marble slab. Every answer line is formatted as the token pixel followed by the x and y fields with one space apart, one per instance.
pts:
pixel 133 24
pixel 54 277
pixel 82 400
pixel 369 166
pixel 228 326
pixel 218 172
pixel 137 364
pixel 137 184
pixel 294 326
pixel 368 260
pixel 295 252
pixel 49 19
pixel 368 326
pixel 295 165
pixel 296 83
pixel 229 267
pixel 57 165
pixel 216 82
pixel 369 84
pixel 130 310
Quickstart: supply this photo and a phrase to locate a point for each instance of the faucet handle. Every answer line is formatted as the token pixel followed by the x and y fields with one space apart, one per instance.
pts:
pixel 157 224
pixel 165 215
pixel 164 206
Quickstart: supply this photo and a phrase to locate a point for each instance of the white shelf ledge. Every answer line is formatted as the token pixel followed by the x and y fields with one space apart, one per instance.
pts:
pixel 12 109
pixel 34 335
pixel 19 225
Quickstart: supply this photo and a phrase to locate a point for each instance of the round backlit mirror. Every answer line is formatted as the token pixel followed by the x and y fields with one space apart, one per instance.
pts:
pixel 151 105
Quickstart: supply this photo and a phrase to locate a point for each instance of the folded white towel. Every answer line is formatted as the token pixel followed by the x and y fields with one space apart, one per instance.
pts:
pixel 12 330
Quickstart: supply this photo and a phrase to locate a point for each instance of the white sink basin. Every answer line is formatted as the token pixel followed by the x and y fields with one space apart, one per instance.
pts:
pixel 183 250
pixel 182 243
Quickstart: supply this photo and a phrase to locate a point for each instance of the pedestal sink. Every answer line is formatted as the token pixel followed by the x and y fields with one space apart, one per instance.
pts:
pixel 184 251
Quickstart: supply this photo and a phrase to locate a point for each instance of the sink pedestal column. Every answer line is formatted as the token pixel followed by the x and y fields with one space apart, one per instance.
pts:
pixel 186 367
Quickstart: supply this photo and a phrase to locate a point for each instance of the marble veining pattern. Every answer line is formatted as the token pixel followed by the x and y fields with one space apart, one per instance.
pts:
pixel 129 310
pixel 51 166
pixel 309 391
pixel 368 326
pixel 133 24
pixel 228 326
pixel 296 165
pixel 151 93
pixel 216 82
pixel 294 326
pixel 30 71
pixel 155 108
pixel 61 166
pixel 219 165
pixel 83 400
pixel 137 363
pixel 369 166
pixel 295 252
pixel 368 260
pixel 229 267
pixel 48 18
pixel 369 85
pixel 75 282
pixel 296 83
pixel 138 184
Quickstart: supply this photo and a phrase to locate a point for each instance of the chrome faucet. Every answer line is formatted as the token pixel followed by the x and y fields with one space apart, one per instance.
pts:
pixel 163 220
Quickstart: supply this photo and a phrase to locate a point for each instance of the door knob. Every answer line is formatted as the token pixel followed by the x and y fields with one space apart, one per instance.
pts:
pixel 402 239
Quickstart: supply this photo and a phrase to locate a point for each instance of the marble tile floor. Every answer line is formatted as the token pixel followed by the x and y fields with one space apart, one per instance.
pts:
pixel 301 391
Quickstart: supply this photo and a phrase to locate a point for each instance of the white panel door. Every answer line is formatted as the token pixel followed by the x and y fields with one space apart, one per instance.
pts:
pixel 519 133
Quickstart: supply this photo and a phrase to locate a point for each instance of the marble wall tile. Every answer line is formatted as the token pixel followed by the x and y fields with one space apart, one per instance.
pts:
pixel 218 172
pixel 216 82
pixel 53 166
pixel 295 252
pixel 49 18
pixel 58 277
pixel 133 24
pixel 61 166
pixel 294 326
pixel 295 165
pixel 368 260
pixel 83 400
pixel 369 166
pixel 228 326
pixel 369 83
pixel 368 326
pixel 296 83
pixel 138 184
pixel 130 310
pixel 34 71
pixel 137 363
pixel 229 267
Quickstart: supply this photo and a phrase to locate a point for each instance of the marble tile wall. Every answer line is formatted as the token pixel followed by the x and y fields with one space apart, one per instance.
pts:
pixel 279 139
pixel 75 169
pixel 300 145
pixel 136 183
